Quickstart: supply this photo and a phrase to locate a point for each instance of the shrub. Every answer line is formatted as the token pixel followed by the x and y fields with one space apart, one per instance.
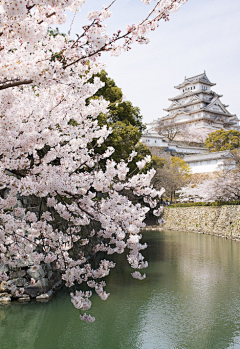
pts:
pixel 216 203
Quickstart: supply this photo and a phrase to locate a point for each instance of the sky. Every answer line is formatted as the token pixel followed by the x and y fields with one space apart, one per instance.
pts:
pixel 202 35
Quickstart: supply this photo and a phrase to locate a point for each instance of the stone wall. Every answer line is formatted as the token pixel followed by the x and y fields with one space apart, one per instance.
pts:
pixel 222 221
pixel 47 279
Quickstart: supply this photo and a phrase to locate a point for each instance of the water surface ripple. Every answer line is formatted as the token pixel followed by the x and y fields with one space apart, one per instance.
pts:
pixel 190 300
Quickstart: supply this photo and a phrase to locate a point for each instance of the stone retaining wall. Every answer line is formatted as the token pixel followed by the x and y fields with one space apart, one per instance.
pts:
pixel 222 221
pixel 25 283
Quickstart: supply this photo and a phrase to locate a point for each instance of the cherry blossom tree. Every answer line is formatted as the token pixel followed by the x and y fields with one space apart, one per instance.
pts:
pixel 51 184
pixel 172 130
pixel 172 175
pixel 223 185
pixel 196 135
pixel 197 192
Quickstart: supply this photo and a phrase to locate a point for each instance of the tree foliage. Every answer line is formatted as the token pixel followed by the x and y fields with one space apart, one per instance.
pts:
pixel 122 118
pixel 223 140
pixel 118 110
pixel 172 175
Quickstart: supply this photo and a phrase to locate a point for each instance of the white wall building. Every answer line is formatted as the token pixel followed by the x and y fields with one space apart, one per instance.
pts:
pixel 153 139
pixel 210 162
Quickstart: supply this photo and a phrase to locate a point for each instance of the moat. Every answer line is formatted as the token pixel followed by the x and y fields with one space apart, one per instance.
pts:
pixel 190 299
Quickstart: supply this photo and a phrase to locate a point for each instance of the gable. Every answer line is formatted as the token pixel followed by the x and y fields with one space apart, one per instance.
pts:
pixel 174 105
pixel 201 77
pixel 217 106
pixel 205 78
pixel 193 99
pixel 185 93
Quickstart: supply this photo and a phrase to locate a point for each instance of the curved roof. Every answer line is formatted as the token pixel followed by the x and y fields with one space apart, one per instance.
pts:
pixel 194 79
pixel 225 154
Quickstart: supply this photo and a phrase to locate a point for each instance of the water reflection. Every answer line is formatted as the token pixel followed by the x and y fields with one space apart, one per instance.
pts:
pixel 189 300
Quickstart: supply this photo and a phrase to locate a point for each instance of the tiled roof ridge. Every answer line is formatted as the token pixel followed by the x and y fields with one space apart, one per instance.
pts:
pixel 210 155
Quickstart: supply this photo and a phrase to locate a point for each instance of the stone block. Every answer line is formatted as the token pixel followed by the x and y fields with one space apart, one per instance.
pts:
pixel 3 268
pixel 5 298
pixel 24 298
pixel 57 285
pixel 24 264
pixel 36 274
pixel 17 274
pixel 45 296
pixel 42 283
pixel 41 286
pixel 50 274
pixel 19 282
pixel 3 286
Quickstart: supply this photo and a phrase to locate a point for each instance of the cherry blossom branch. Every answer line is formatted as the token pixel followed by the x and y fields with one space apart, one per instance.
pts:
pixel 153 10
pixel 86 28
pixel 107 46
pixel 15 83
pixel 47 16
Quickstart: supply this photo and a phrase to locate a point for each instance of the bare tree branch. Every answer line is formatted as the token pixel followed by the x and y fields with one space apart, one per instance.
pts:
pixel 170 130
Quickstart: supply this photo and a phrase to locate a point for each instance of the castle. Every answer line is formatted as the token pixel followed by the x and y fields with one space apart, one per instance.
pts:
pixel 198 107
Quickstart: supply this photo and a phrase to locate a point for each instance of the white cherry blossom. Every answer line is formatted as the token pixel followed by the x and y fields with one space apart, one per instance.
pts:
pixel 51 184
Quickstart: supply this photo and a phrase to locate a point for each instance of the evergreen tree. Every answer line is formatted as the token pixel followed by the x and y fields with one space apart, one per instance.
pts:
pixel 123 118
pixel 223 140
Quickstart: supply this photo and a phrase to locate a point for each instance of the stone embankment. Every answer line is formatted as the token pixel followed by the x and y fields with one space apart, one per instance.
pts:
pixel 222 221
pixel 25 282
pixel 19 285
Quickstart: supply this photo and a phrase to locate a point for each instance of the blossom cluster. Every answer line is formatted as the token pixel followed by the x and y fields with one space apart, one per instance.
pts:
pixel 51 184
pixel 221 186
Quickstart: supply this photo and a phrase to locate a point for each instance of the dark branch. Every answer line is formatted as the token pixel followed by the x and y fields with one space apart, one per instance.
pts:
pixel 15 83
pixel 48 16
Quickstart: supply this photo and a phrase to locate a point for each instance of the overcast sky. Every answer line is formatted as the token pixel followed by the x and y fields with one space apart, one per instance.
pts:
pixel 202 35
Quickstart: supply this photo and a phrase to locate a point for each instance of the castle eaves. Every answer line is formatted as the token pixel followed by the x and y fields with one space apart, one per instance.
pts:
pixel 201 78
pixel 192 93
pixel 225 154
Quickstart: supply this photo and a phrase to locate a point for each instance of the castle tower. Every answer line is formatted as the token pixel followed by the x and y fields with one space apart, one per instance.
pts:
pixel 198 107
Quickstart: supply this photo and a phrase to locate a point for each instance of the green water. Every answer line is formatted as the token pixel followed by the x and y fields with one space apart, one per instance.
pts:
pixel 190 299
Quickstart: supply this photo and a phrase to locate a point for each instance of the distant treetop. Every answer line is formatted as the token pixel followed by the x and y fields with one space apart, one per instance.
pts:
pixel 223 140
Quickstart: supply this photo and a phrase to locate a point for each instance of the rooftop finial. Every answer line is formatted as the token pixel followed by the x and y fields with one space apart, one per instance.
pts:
pixel 204 71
